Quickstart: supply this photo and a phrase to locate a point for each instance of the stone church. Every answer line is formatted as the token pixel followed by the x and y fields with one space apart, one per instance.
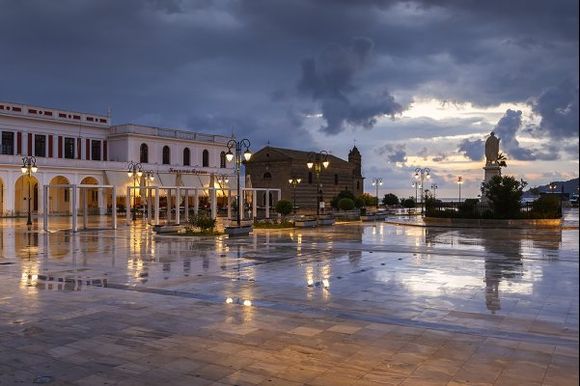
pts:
pixel 273 167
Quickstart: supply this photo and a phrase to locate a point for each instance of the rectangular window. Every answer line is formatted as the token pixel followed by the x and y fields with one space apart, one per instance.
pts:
pixel 69 148
pixel 8 142
pixel 40 145
pixel 66 195
pixel 96 150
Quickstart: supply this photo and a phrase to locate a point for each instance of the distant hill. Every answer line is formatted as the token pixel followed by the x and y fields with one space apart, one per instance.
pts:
pixel 570 187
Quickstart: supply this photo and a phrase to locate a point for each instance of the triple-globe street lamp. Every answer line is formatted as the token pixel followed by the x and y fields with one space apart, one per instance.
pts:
pixel 28 168
pixel 420 175
pixel 318 162
pixel 247 154
pixel 459 183
pixel 434 188
pixel 135 171
pixel 294 182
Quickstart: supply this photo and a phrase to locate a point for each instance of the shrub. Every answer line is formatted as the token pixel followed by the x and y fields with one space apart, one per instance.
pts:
pixel 368 200
pixel 390 199
pixel 341 195
pixel 468 208
pixel 205 223
pixel 504 195
pixel 547 206
pixel 359 202
pixel 284 207
pixel 408 202
pixel 346 204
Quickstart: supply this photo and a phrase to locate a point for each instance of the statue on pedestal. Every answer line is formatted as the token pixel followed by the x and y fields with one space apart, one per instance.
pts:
pixel 491 150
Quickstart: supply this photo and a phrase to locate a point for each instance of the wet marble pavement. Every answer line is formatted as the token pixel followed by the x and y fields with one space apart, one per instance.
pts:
pixel 353 304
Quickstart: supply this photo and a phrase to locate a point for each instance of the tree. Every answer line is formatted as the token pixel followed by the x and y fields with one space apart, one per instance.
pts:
pixel 390 199
pixel 408 202
pixel 504 195
pixel 359 202
pixel 284 207
pixel 341 195
pixel 501 160
pixel 346 204
pixel 368 199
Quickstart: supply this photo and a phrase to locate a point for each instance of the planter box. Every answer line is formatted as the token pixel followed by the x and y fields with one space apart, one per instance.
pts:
pixel 238 231
pixel 305 223
pixel 492 223
pixel 326 221
pixel 169 229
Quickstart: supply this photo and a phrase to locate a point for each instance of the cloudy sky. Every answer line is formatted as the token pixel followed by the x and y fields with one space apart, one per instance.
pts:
pixel 414 83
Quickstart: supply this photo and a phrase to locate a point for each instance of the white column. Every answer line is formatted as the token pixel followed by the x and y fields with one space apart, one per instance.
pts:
pixel 128 205
pixel 267 203
pixel 149 205
pixel 255 204
pixel 157 206
pixel 74 194
pixel 45 208
pixel 114 208
pixel 241 204
pixel 279 196
pixel 186 205
pixel 196 203
pixel 85 207
pixel 178 206
pixel 213 203
pixel 101 201
pixel 169 205
pixel 9 192
pixel 229 204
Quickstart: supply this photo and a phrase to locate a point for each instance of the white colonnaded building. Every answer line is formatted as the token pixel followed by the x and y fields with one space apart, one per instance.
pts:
pixel 73 148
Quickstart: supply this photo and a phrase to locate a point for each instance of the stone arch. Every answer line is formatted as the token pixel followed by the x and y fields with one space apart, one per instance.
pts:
pixel 92 195
pixel 59 198
pixel 21 189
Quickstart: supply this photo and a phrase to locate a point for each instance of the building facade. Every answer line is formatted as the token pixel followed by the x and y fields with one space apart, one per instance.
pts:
pixel 80 148
pixel 273 167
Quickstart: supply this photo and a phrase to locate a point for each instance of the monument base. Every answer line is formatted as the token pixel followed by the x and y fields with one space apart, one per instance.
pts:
pixel 490 172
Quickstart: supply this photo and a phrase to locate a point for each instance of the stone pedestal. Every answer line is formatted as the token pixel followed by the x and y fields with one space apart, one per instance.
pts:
pixel 490 172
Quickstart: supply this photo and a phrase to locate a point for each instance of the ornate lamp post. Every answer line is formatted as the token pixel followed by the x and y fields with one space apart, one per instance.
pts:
pixel 459 183
pixel 376 183
pixel 135 171
pixel 316 162
pixel 294 181
pixel 434 188
pixel 420 175
pixel 237 146
pixel 415 185
pixel 28 168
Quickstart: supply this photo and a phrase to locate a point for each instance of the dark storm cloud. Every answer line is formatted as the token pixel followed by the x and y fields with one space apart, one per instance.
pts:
pixel 393 153
pixel 209 65
pixel 329 79
pixel 558 107
pixel 473 149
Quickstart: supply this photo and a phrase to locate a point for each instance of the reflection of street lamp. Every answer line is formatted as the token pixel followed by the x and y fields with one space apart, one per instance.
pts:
pixel 434 187
pixel 376 183
pixel 135 172
pixel 459 183
pixel 421 174
pixel 237 146
pixel 294 181
pixel 316 162
pixel 28 168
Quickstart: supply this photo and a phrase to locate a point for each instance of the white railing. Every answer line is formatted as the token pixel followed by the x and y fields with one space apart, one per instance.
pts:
pixel 168 133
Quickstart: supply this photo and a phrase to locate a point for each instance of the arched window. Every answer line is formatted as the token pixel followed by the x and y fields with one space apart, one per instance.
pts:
pixel 267 176
pixel 186 157
pixel 223 159
pixel 166 155
pixel 336 179
pixel 205 158
pixel 144 153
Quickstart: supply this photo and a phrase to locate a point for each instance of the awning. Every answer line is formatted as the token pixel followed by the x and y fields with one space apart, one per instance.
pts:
pixel 166 179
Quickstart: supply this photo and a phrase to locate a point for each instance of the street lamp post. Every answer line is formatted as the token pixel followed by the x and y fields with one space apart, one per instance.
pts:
pixel 317 162
pixel 237 146
pixel 135 171
pixel 28 168
pixel 420 175
pixel 434 188
pixel 294 181
pixel 459 183
pixel 376 183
